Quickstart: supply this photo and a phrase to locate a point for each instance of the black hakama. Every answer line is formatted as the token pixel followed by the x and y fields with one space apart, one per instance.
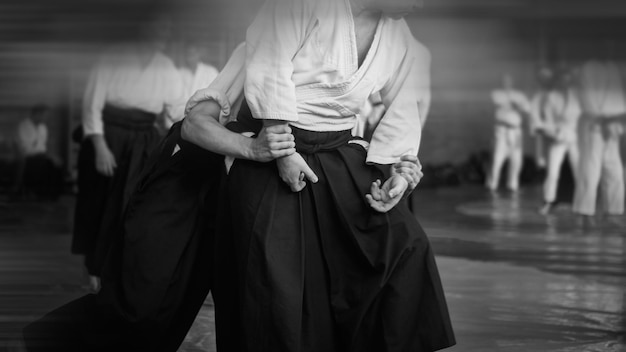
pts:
pixel 320 270
pixel 159 272
pixel 131 137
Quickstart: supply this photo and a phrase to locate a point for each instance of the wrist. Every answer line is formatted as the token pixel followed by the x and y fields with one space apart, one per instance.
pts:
pixel 98 141
pixel 270 123
pixel 247 149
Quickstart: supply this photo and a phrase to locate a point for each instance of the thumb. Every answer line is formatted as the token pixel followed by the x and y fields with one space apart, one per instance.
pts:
pixel 398 187
pixel 310 174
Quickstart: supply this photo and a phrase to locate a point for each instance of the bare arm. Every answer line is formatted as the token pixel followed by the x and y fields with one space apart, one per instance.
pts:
pixel 202 128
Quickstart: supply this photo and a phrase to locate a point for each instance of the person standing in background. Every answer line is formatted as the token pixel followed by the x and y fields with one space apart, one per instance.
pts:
pixel 539 103
pixel 196 73
pixel 511 106
pixel 37 170
pixel 129 86
pixel 600 128
pixel 559 130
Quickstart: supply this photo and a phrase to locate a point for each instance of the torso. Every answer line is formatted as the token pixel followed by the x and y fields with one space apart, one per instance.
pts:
pixel 365 29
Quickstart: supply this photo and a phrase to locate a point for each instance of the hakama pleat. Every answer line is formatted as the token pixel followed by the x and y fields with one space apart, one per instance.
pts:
pixel 320 270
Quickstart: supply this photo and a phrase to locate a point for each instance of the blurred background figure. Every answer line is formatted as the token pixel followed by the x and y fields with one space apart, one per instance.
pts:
pixel 196 72
pixel 128 87
pixel 558 129
pixel 600 128
pixel 37 172
pixel 511 107
pixel 190 57
pixel 539 105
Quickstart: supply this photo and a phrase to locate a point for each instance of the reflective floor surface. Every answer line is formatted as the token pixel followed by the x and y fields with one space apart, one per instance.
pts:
pixel 515 280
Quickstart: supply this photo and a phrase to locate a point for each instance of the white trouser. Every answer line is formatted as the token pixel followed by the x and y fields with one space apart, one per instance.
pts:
pixel 508 145
pixel 600 166
pixel 556 155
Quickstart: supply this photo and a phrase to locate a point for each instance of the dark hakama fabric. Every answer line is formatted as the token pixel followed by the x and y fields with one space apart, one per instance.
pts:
pixel 320 270
pixel 131 137
pixel 42 176
pixel 159 272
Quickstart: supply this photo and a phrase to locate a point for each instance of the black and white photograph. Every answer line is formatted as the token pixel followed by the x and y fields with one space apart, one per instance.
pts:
pixel 312 175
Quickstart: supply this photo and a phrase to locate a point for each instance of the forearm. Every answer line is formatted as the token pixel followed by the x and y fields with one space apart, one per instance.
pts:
pixel 202 128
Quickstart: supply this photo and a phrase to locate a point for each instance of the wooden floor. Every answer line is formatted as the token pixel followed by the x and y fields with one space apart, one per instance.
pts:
pixel 515 280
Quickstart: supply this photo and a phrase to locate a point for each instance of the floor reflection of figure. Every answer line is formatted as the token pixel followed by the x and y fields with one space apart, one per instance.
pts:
pixel 126 90
pixel 511 106
pixel 604 109
pixel 560 130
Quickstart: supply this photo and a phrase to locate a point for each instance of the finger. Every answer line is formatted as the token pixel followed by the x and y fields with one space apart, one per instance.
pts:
pixel 410 158
pixel 398 189
pixel 406 164
pixel 282 153
pixel 298 186
pixel 310 175
pixel 280 130
pixel 376 192
pixel 374 204
pixel 407 171
pixel 282 145
pixel 280 137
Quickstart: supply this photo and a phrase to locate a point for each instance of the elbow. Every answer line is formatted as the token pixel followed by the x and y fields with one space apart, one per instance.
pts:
pixel 200 119
pixel 189 125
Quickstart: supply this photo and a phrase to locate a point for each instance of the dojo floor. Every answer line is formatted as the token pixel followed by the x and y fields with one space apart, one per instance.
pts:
pixel 515 280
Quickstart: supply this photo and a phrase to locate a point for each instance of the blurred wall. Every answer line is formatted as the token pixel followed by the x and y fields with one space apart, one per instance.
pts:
pixel 469 57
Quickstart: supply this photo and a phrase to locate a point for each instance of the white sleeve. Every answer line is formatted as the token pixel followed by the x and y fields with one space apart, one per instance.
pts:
pixel 94 99
pixel 272 41
pixel 406 97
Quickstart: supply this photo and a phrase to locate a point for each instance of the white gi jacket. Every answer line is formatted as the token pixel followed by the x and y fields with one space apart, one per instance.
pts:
pixel 121 79
pixel 302 67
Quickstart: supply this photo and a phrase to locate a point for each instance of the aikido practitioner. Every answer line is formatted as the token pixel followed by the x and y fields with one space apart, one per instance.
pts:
pixel 326 257
pixel 126 90
pixel 159 271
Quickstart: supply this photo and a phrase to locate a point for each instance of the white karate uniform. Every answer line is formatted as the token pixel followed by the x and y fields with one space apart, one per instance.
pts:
pixel 561 120
pixel 31 138
pixel 601 95
pixel 510 104
pixel 302 67
pixel 123 80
